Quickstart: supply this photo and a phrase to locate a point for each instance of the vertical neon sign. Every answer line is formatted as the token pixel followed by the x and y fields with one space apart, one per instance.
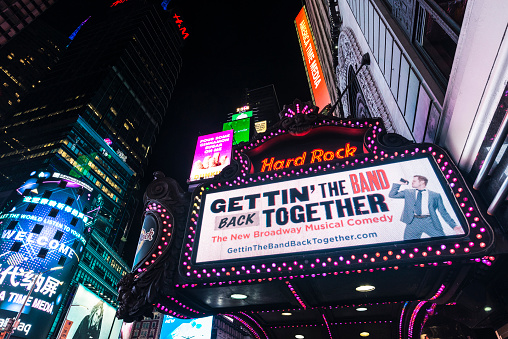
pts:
pixel 312 65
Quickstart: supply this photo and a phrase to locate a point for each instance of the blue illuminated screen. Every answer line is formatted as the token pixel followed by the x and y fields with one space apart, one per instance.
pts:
pixel 174 328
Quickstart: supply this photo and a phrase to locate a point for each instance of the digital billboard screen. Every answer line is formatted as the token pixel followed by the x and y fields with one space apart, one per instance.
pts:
pixel 241 128
pixel 174 328
pixel 42 240
pixel 213 153
pixel 374 205
pixel 242 115
pixel 90 317
pixel 312 65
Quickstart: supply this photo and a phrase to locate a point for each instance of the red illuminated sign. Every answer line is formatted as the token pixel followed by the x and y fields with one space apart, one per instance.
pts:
pixel 316 156
pixel 117 2
pixel 179 22
pixel 312 65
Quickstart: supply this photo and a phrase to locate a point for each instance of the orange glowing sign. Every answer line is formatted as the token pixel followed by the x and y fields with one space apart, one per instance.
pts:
pixel 312 66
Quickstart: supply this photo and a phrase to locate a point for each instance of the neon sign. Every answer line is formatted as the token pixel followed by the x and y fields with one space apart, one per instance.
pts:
pixel 117 2
pixel 317 155
pixel 57 205
pixel 178 21
pixel 74 180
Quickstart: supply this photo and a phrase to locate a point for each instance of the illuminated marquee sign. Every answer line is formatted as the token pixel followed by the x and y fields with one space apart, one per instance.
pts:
pixel 326 212
pixel 312 65
pixel 321 146
pixel 316 156
pixel 44 230
pixel 330 217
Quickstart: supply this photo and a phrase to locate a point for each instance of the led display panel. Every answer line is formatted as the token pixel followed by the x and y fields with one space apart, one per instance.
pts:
pixel 312 64
pixel 174 328
pixel 213 153
pixel 260 126
pixel 146 239
pixel 362 207
pixel 90 317
pixel 43 237
pixel 242 115
pixel 241 128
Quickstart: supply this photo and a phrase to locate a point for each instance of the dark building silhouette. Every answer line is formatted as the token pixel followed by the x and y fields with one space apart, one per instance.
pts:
pixel 24 62
pixel 263 102
pixel 15 15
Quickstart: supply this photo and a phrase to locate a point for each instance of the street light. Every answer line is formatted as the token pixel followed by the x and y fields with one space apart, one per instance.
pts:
pixel 10 329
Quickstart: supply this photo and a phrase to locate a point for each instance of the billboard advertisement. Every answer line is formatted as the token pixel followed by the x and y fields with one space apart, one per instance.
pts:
pixel 406 201
pixel 260 126
pixel 90 317
pixel 241 128
pixel 42 240
pixel 312 64
pixel 146 238
pixel 174 328
pixel 242 115
pixel 213 153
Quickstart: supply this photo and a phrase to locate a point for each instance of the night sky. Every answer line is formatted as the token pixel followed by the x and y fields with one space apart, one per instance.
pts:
pixel 232 45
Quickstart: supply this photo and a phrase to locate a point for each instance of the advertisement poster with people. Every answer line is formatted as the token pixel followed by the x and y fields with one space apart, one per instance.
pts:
pixel 90 317
pixel 213 153
pixel 393 202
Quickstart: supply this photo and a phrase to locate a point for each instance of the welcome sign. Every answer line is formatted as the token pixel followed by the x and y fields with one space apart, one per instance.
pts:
pixel 360 207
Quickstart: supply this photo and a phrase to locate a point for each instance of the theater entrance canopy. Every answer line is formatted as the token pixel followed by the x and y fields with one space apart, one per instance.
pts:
pixel 316 226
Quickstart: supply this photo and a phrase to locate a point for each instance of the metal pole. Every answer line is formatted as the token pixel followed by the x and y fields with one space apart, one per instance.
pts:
pixel 499 198
pixel 494 150
pixel 8 335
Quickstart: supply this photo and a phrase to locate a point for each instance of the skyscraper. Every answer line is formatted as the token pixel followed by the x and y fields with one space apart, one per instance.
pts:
pixel 264 103
pixel 15 15
pixel 25 60
pixel 94 117
pixel 100 108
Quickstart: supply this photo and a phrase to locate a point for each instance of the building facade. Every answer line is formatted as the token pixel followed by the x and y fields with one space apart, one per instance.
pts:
pixel 28 57
pixel 96 115
pixel 16 15
pixel 438 74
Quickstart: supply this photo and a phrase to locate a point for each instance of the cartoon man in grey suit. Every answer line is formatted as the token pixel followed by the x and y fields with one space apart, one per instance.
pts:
pixel 420 206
